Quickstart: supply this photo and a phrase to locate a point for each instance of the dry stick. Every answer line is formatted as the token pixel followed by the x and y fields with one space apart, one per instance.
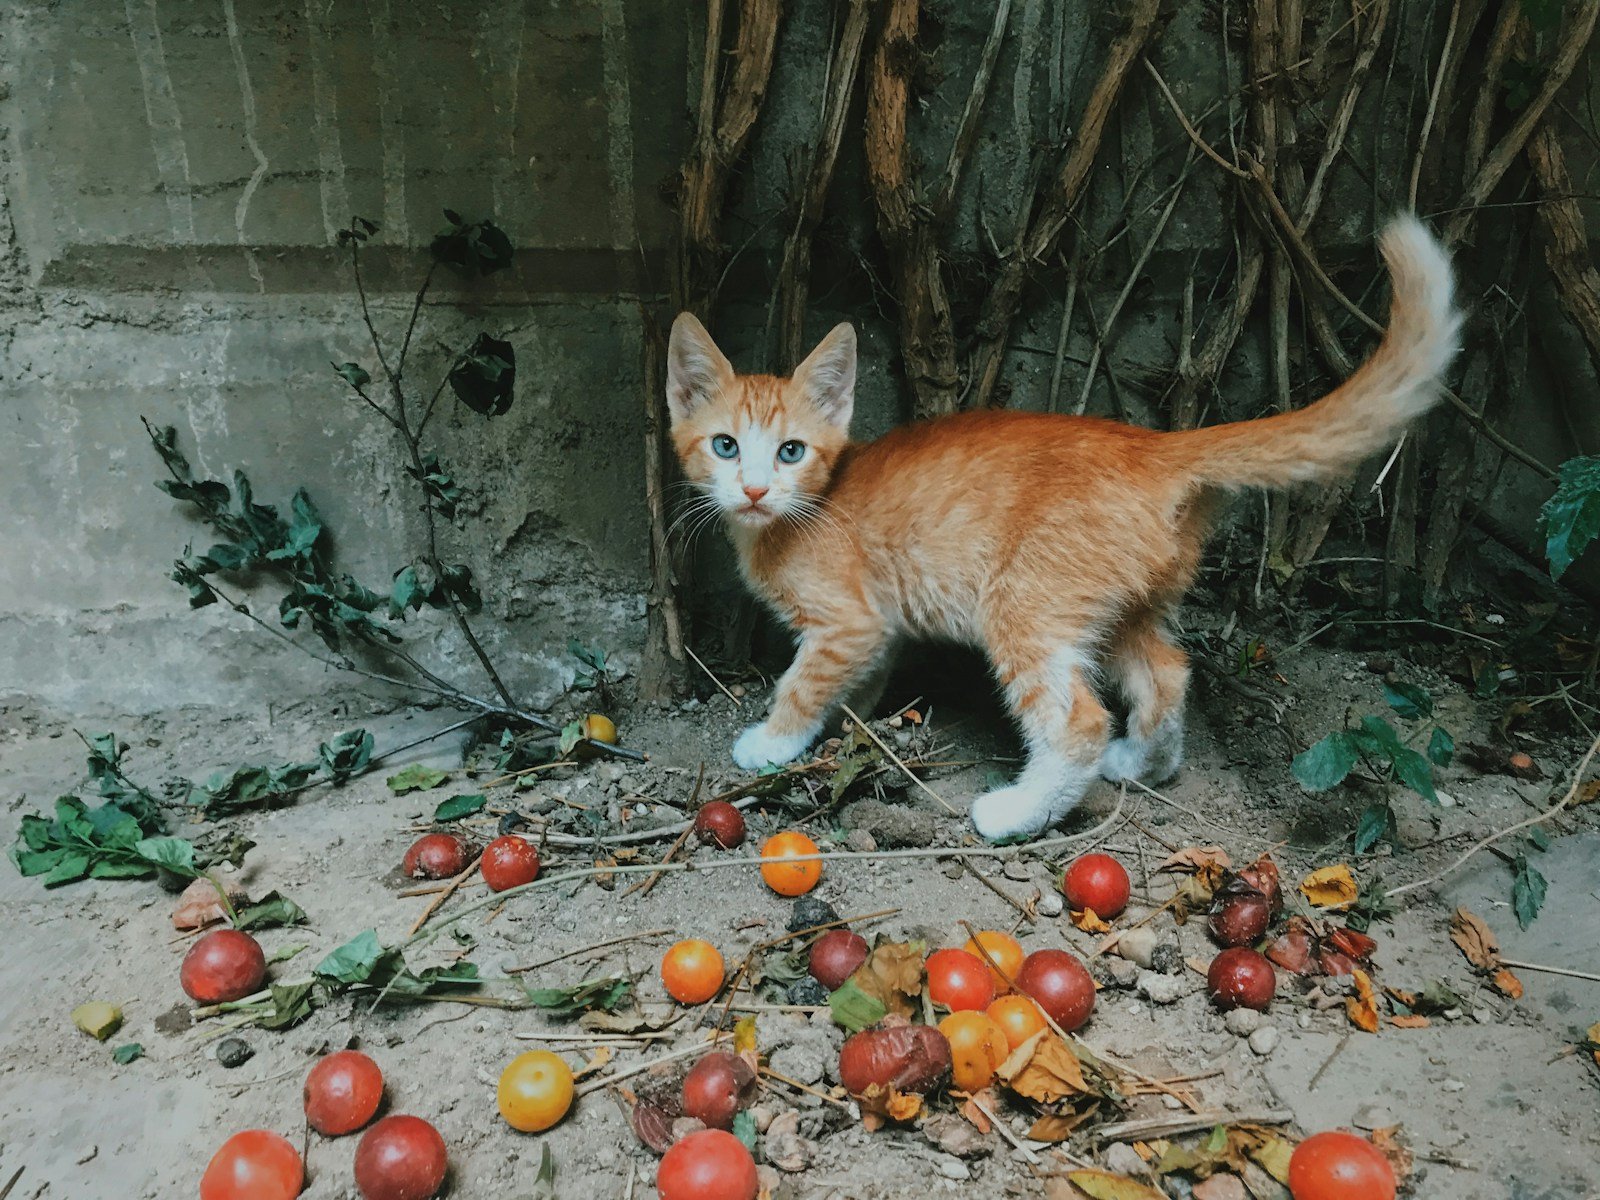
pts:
pixel 967 129
pixel 996 889
pixel 801 1087
pixel 1539 818
pixel 1039 240
pixel 1155 1127
pixel 1567 238
pixel 1548 970
pixel 594 1085
pixel 1568 54
pixel 1328 1062
pixel 1433 103
pixel 1061 337
pixel 898 761
pixel 616 941
pixel 1501 43
pixel 12 1182
pixel 644 887
pixel 710 674
pixel 450 890
pixel 1004 1131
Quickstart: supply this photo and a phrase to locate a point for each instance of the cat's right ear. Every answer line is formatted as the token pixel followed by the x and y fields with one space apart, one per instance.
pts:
pixel 696 369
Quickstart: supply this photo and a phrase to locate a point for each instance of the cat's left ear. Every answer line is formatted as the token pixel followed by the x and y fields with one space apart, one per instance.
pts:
pixel 827 378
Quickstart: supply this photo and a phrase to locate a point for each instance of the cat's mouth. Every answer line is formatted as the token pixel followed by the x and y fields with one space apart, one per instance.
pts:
pixel 753 514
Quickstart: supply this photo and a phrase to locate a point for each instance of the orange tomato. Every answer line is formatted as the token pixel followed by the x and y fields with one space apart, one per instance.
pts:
pixel 1018 1016
pixel 1006 952
pixel 535 1091
pixel 977 1048
pixel 692 971
pixel 790 878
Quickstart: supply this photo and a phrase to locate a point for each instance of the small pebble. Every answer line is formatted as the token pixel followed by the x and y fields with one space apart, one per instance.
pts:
pixel 1051 904
pixel 1161 989
pixel 1016 869
pixel 1123 1159
pixel 952 1168
pixel 1452 1085
pixel 1242 1021
pixel 809 912
pixel 234 1052
pixel 860 841
pixel 953 869
pixel 1264 1040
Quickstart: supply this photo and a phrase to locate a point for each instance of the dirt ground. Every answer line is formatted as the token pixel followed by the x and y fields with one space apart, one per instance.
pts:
pixel 1495 1101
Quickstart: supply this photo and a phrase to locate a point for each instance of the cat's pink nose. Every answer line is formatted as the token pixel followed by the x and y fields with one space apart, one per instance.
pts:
pixel 755 493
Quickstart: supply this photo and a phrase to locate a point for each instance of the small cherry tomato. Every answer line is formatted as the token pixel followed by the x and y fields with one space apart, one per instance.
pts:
pixel 401 1158
pixel 254 1165
pixel 1096 881
pixel 720 824
pixel 223 965
pixel 1005 956
pixel 692 971
pixel 717 1087
pixel 435 856
pixel 509 862
pixel 959 981
pixel 835 956
pixel 1241 920
pixel 709 1165
pixel 535 1091
pixel 977 1048
pixel 1061 986
pixel 790 878
pixel 1241 978
pixel 1018 1016
pixel 600 728
pixel 1335 1165
pixel 342 1093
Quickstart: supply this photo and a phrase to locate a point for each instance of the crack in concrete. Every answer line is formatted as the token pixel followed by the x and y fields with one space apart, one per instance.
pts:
pixel 248 100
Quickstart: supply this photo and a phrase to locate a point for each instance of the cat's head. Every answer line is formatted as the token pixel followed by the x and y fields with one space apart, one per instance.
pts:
pixel 759 447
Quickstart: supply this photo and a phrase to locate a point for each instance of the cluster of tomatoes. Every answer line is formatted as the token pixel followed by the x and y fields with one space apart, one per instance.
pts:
pixel 398 1158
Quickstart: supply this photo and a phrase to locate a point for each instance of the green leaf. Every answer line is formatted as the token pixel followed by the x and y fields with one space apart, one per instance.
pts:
pixel 477 248
pixel 1325 764
pixel 1377 738
pixel 353 373
pixel 1527 892
pixel 1437 997
pixel 853 1009
pixel 605 994
pixel 457 807
pixel 347 755
pixel 123 1055
pixel 484 377
pixel 1409 700
pixel 406 592
pixel 174 854
pixel 1377 824
pixel 1416 772
pixel 272 911
pixel 353 962
pixel 744 1128
pixel 416 778
pixel 291 1003
pixel 304 529
pixel 440 487
pixel 544 1180
pixel 1570 519
pixel 248 787
pixel 1539 838
pixel 68 869
pixel 435 979
pixel 285 953
pixel 1441 747
pixel 571 735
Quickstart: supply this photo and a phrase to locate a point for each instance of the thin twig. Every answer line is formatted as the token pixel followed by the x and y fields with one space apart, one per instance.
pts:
pixel 1537 819
pixel 1154 1127
pixel 616 941
pixel 594 1085
pixel 1004 1131
pixel 1549 970
pixel 801 1087
pixel 450 890
pixel 1328 1062
pixel 998 891
pixel 967 129
pixel 710 674
pixel 899 762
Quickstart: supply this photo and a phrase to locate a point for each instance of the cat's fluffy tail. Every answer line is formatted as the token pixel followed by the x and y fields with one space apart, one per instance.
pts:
pixel 1366 413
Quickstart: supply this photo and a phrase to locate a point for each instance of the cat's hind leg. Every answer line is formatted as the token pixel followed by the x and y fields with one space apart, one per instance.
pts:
pixel 1153 674
pixel 1064 727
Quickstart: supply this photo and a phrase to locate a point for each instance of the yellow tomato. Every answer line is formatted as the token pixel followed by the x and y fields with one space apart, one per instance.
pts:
pixel 977 1048
pixel 535 1091
pixel 600 728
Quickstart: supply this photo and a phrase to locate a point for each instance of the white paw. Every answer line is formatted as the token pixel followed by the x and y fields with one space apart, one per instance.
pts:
pixel 1009 814
pixel 757 748
pixel 1123 760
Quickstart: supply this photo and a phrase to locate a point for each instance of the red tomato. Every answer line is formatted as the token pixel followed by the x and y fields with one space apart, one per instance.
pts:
pixel 720 824
pixel 435 856
pixel 254 1165
pixel 342 1093
pixel 1096 881
pixel 835 956
pixel 709 1165
pixel 509 862
pixel 1060 985
pixel 224 965
pixel 1339 1166
pixel 1241 978
pixel 959 980
pixel 400 1158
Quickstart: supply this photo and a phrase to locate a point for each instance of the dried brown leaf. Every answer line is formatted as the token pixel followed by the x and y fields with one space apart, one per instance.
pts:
pixel 1475 939
pixel 1507 983
pixel 1362 1008
pixel 1387 1140
pixel 892 975
pixel 1410 1021
pixel 1089 921
pixel 1043 1068
pixel 1195 858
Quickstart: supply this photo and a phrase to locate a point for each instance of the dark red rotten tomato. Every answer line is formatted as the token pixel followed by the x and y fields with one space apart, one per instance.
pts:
pixel 509 862
pixel 908 1058
pixel 435 856
pixel 835 957
pixel 224 965
pixel 720 824
pixel 1241 978
pixel 717 1087
pixel 1060 985
pixel 401 1158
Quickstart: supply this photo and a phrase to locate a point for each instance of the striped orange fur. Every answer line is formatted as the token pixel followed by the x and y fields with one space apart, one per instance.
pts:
pixel 1060 545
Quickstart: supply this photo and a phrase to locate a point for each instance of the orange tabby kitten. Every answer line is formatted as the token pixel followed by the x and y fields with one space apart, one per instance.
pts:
pixel 1058 544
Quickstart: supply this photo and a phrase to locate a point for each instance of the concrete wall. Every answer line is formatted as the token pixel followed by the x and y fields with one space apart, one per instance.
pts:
pixel 173 173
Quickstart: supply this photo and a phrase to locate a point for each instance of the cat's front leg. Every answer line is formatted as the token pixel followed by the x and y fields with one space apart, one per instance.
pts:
pixel 829 660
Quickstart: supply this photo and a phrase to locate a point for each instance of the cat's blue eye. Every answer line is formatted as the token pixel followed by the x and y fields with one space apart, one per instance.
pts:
pixel 724 446
pixel 791 452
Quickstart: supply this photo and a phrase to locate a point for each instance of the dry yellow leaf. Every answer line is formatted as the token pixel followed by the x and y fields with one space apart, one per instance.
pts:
pixel 1362 1008
pixel 1043 1069
pixel 1330 887
pixel 1103 1185
pixel 1386 1139
pixel 1410 1021
pixel 1194 858
pixel 744 1034
pixel 892 975
pixel 599 1058
pixel 1507 983
pixel 1058 1127
pixel 1475 939
pixel 1089 921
